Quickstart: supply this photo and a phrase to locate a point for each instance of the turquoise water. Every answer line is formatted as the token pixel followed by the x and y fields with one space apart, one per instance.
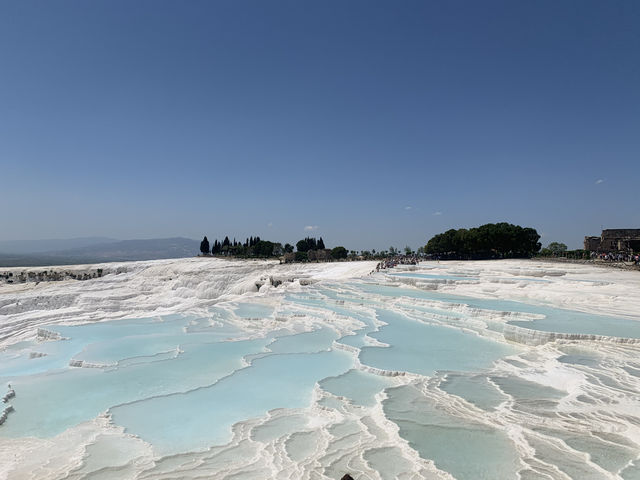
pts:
pixel 476 389
pixel 360 387
pixel 47 404
pixel 421 348
pixel 253 310
pixel 555 319
pixel 203 417
pixel 432 276
pixel 466 449
pixel 117 333
pixel 310 342
pixel 567 321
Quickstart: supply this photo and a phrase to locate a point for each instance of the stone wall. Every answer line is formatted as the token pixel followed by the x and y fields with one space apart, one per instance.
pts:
pixel 51 275
pixel 614 240
pixel 621 233
pixel 592 244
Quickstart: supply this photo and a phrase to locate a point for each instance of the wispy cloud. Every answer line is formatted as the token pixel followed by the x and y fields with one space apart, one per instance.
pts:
pixel 437 213
pixel 310 228
pixel 408 207
pixel 599 181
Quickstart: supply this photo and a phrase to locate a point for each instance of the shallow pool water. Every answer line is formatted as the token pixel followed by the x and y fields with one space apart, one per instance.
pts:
pixel 422 348
pixel 555 319
pixel 253 310
pixel 357 386
pixel 203 417
pixel 464 448
pixel 432 276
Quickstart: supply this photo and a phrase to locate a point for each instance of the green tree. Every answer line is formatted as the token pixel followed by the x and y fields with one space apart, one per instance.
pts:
pixel 499 240
pixel 307 244
pixel 339 252
pixel 263 248
pixel 557 248
pixel 204 246
pixel 278 249
pixel 301 245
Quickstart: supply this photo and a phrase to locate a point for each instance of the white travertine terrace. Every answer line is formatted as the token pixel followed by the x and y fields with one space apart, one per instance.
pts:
pixel 565 414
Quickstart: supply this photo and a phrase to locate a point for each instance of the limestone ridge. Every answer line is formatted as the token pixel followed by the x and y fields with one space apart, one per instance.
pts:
pixel 8 408
pixel 531 337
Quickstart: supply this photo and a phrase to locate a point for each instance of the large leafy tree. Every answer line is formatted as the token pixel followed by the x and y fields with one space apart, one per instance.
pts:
pixel 499 240
pixel 557 248
pixel 263 248
pixel 339 252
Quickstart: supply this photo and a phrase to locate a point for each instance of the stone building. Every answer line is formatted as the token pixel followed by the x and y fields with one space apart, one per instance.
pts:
pixel 614 240
pixel 592 244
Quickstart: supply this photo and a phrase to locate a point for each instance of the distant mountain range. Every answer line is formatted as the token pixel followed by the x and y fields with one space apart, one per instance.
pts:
pixel 93 250
pixel 54 245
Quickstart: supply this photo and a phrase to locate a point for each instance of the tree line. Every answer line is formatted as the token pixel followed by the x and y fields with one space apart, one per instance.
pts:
pixel 309 243
pixel 557 249
pixel 308 249
pixel 251 247
pixel 493 240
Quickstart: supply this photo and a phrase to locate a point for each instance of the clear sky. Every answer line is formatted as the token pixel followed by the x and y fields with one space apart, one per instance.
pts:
pixel 367 123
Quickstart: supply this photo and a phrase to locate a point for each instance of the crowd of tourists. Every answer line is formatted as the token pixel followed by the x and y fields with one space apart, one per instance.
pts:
pixel 398 260
pixel 616 257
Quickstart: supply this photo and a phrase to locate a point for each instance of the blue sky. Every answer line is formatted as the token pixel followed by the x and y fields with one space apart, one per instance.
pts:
pixel 368 123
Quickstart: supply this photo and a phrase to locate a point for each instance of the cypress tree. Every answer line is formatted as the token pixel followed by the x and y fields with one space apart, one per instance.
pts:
pixel 204 246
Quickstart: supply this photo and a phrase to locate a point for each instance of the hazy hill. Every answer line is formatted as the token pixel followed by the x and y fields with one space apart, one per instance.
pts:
pixel 20 247
pixel 110 251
